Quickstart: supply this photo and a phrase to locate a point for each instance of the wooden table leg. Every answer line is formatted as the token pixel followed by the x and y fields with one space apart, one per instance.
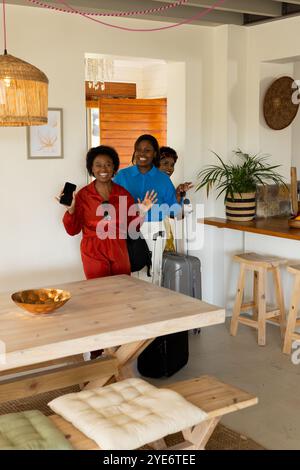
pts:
pixel 126 356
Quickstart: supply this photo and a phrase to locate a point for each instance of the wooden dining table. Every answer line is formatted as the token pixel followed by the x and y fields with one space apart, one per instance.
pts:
pixel 120 314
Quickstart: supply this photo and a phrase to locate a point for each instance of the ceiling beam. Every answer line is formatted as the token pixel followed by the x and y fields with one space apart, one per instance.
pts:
pixel 173 15
pixel 254 7
pixel 290 8
pixel 181 13
pixel 211 19
pixel 295 2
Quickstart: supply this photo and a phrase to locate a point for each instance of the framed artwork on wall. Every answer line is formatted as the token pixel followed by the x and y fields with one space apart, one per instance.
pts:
pixel 46 141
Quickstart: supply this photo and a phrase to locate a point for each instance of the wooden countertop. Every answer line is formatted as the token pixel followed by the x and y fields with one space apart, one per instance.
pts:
pixel 272 226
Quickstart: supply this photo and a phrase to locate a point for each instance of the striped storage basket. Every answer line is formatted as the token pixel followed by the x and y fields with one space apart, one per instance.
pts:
pixel 241 208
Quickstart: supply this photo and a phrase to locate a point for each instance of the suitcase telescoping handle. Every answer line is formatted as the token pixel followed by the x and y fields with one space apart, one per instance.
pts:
pixel 186 214
pixel 161 233
pixel 156 236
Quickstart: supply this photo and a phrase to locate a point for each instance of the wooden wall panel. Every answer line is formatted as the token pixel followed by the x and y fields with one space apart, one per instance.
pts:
pixel 124 117
pixel 112 90
pixel 128 135
pixel 92 103
pixel 124 108
pixel 131 126
pixel 122 121
pixel 137 102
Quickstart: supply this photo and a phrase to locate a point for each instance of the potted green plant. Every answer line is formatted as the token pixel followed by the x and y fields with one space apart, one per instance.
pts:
pixel 238 182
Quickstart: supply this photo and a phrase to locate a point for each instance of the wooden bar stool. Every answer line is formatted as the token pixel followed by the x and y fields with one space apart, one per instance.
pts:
pixel 259 265
pixel 293 321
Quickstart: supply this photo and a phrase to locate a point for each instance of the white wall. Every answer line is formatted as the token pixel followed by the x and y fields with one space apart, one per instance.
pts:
pixel 176 114
pixel 34 249
pixel 228 131
pixel 296 128
pixel 248 73
pixel 276 143
pixel 275 41
pixel 154 81
pixel 149 76
pixel 215 77
pixel 272 41
pixel 133 74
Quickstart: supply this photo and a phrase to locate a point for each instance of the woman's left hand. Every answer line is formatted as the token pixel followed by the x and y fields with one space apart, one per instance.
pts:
pixel 181 190
pixel 184 187
pixel 149 199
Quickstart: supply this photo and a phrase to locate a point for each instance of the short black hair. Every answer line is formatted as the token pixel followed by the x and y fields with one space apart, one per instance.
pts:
pixel 168 152
pixel 153 141
pixel 102 150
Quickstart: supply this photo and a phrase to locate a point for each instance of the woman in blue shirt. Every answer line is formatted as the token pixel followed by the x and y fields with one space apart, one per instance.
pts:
pixel 144 176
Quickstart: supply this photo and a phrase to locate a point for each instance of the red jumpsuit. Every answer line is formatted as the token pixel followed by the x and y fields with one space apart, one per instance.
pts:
pixel 101 257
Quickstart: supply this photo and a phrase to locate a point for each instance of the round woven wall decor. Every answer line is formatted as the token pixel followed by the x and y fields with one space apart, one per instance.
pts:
pixel 279 109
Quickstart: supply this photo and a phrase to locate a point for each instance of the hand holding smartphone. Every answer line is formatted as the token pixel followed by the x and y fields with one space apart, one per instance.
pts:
pixel 67 194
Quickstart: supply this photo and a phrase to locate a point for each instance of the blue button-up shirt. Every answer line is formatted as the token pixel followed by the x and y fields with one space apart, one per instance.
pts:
pixel 137 184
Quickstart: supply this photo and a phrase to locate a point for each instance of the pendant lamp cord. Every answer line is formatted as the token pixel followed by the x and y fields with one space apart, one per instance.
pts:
pixel 4 27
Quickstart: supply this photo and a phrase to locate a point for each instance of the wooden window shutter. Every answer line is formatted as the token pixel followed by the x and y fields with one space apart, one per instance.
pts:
pixel 122 121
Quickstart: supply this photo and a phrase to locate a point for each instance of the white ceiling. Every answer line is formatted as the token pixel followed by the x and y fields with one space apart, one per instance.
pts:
pixel 230 12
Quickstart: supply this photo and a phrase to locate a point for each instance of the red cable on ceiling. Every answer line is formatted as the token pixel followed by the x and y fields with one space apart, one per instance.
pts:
pixel 115 14
pixel 85 15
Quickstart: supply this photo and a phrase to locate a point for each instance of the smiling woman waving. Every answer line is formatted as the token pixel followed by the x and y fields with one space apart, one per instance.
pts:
pixel 101 210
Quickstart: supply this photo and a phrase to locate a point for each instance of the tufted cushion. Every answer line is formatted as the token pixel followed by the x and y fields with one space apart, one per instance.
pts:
pixel 30 430
pixel 127 414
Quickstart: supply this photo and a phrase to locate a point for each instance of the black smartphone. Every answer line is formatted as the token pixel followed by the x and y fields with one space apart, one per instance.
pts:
pixel 67 197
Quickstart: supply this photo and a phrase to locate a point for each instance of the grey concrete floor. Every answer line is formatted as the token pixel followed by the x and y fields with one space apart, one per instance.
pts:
pixel 264 371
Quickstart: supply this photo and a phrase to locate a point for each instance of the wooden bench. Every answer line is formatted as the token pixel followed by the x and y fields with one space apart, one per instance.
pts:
pixel 208 393
pixel 52 375
pixel 212 396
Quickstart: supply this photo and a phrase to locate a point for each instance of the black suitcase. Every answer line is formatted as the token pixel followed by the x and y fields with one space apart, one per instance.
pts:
pixel 164 356
pixel 167 354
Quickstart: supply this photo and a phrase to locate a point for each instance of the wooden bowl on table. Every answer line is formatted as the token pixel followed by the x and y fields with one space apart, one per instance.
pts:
pixel 41 301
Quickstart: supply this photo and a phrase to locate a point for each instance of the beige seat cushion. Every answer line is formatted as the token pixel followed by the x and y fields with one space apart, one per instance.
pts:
pixel 127 414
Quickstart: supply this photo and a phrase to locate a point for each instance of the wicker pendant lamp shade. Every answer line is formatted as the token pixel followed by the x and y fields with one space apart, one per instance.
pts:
pixel 23 93
pixel 23 90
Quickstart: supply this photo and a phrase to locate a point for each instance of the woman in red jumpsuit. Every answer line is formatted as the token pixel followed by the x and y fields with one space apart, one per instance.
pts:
pixel 100 211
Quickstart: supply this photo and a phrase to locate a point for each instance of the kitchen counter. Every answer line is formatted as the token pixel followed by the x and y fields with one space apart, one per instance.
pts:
pixel 273 226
